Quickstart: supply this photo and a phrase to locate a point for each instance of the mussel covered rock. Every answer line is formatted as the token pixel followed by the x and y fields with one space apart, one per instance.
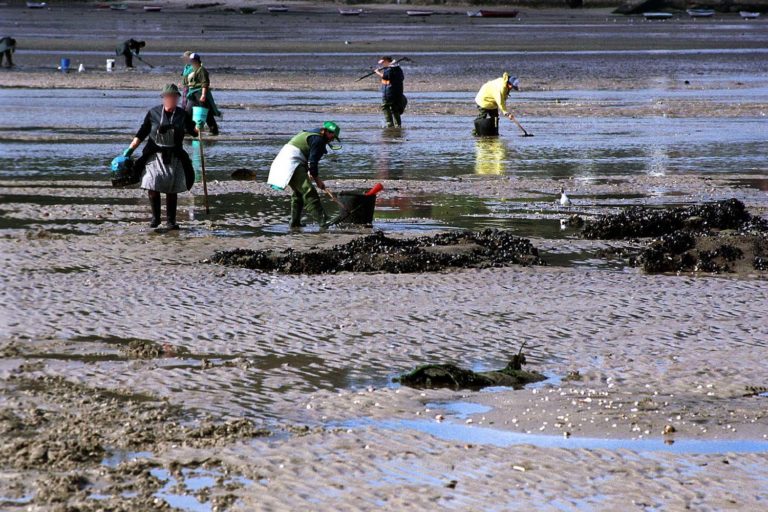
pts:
pixel 433 376
pixel 380 253
pixel 640 222
pixel 712 237
pixel 706 252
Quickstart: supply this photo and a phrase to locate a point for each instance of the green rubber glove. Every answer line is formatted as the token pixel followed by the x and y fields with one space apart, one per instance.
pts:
pixel 128 152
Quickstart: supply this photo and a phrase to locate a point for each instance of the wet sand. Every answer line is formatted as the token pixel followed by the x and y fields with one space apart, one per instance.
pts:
pixel 551 49
pixel 136 375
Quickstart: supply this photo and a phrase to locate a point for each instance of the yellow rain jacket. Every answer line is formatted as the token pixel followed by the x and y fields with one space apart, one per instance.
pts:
pixel 494 94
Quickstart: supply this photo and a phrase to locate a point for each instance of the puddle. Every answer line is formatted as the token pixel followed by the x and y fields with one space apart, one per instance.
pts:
pixel 23 500
pixel 487 436
pixel 459 410
pixel 118 457
pixel 74 269
pixel 587 259
pixel 191 492
pixel 750 183
pixel 179 493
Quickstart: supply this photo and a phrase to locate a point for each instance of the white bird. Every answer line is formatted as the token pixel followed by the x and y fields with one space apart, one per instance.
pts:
pixel 564 199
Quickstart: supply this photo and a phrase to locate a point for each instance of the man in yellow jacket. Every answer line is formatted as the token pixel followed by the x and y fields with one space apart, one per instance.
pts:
pixel 493 96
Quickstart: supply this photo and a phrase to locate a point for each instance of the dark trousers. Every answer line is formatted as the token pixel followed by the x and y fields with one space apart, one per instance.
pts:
pixel 128 59
pixel 487 112
pixel 194 101
pixel 305 196
pixel 393 108
pixel 7 54
pixel 171 203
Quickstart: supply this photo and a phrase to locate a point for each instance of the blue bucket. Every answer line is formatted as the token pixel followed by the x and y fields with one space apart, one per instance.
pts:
pixel 65 65
pixel 199 114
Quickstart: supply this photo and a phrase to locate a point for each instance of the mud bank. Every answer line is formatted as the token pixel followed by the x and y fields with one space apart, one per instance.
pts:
pixel 63 432
pixel 380 253
pixel 553 48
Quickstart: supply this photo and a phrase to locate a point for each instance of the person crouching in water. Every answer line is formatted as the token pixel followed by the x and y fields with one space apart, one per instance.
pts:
pixel 492 96
pixel 168 167
pixel 296 165
pixel 393 100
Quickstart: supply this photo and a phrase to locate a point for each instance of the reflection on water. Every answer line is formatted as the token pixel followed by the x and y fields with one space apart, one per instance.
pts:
pixel 491 154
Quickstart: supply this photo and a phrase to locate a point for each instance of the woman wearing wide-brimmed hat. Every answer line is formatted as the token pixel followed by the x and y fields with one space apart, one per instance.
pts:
pixel 168 167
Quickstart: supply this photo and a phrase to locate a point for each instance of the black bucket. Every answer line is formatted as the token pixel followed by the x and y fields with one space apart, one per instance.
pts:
pixel 358 208
pixel 127 175
pixel 487 127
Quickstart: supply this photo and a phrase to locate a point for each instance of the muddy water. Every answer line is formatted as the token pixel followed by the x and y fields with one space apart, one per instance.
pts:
pixel 73 134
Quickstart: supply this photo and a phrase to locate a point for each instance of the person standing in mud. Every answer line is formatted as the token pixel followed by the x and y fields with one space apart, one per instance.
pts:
pixel 393 100
pixel 199 94
pixel 492 96
pixel 7 47
pixel 184 72
pixel 128 49
pixel 297 165
pixel 168 167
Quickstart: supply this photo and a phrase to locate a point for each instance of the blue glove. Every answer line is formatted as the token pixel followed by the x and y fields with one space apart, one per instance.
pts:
pixel 128 152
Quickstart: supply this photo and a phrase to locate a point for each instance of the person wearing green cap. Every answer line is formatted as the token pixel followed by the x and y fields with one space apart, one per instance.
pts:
pixel 168 167
pixel 297 165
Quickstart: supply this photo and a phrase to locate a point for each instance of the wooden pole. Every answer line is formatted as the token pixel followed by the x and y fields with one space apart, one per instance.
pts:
pixel 525 133
pixel 202 170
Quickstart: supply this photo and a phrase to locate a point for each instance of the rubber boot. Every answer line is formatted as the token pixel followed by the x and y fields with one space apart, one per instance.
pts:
pixel 297 205
pixel 387 109
pixel 322 218
pixel 154 203
pixel 397 119
pixel 171 202
pixel 213 126
pixel 295 218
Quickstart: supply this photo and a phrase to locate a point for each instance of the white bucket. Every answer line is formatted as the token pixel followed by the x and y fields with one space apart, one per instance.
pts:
pixel 110 65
